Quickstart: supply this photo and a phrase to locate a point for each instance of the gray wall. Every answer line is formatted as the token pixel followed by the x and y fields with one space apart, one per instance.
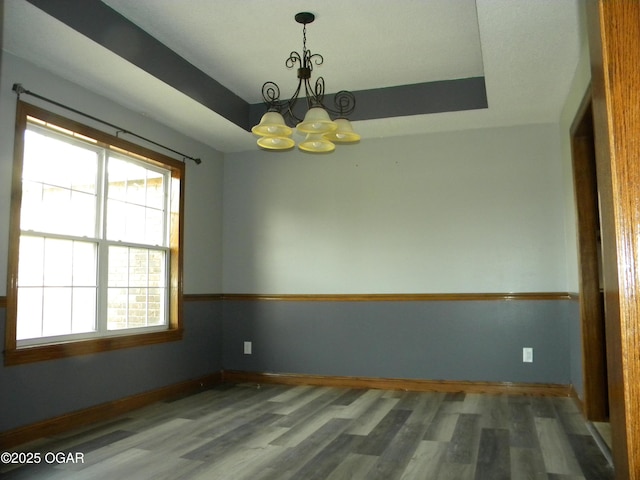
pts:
pixel 449 340
pixel 482 210
pixel 450 212
pixel 37 391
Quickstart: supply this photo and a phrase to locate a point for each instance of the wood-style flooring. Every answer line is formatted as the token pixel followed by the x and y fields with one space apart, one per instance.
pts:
pixel 276 432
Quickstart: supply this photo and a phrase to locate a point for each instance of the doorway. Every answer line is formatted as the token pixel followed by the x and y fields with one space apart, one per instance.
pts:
pixel 592 314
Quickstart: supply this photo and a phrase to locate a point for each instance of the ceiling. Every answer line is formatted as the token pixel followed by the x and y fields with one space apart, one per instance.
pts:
pixel 220 52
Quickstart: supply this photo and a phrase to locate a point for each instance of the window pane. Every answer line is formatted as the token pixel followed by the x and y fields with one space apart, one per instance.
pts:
pixel 136 288
pixel 136 176
pixel 137 311
pixel 31 261
pixel 31 208
pixel 59 162
pixel 84 310
pixel 155 315
pixel 58 265
pixel 59 186
pixel 156 268
pixel 136 187
pixel 82 213
pixel 154 221
pixel 135 224
pixel 125 222
pixel 117 178
pixel 29 319
pixel 155 190
pixel 118 267
pixel 51 209
pixel 84 264
pixel 116 221
pixel 117 308
pixel 136 307
pixel 56 262
pixel 127 181
pixel 136 203
pixel 56 318
pixel 83 173
pixel 138 267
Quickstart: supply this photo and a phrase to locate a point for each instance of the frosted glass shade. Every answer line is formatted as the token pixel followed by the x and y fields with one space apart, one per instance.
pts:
pixel 316 121
pixel 272 124
pixel 276 143
pixel 316 143
pixel 344 133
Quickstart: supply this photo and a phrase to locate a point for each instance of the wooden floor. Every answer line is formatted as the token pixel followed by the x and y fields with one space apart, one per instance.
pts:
pixel 275 432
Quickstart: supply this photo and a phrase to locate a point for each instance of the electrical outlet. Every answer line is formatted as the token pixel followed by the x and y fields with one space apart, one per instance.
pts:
pixel 247 348
pixel 527 355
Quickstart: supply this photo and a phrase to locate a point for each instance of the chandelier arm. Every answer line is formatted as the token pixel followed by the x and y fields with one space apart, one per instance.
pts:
pixel 318 91
pixel 294 57
pixel 308 93
pixel 345 103
pixel 314 58
pixel 271 95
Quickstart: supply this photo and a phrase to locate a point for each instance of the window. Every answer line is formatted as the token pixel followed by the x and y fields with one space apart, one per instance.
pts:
pixel 95 260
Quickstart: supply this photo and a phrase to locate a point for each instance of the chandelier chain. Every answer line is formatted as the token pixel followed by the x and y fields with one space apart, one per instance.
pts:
pixel 304 39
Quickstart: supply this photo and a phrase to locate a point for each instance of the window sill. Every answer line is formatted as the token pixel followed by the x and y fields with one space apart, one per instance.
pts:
pixel 85 347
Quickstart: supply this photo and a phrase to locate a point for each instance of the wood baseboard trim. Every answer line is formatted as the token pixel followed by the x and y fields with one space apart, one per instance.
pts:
pixel 414 385
pixel 104 411
pixel 576 399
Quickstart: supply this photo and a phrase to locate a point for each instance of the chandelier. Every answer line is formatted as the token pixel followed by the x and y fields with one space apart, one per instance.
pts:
pixel 321 132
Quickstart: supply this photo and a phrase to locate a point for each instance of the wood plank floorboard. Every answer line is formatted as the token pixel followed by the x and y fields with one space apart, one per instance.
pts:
pixel 384 432
pixel 494 455
pixel 393 462
pixel 556 450
pixel 464 442
pixel 354 467
pixel 585 448
pixel 279 432
pixel 426 461
pixel 528 464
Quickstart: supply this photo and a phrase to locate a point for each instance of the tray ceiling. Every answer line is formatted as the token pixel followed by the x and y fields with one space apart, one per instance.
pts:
pixel 415 65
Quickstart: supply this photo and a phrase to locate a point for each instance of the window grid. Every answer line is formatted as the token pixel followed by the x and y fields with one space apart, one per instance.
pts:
pixel 100 229
pixel 123 282
pixel 103 143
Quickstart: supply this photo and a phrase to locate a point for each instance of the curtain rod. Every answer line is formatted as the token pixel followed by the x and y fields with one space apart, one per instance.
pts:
pixel 19 89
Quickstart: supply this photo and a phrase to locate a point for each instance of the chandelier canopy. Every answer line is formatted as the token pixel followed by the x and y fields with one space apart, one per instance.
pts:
pixel 321 132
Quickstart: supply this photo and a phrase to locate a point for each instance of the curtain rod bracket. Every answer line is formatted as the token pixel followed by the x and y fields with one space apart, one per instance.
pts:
pixel 19 89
